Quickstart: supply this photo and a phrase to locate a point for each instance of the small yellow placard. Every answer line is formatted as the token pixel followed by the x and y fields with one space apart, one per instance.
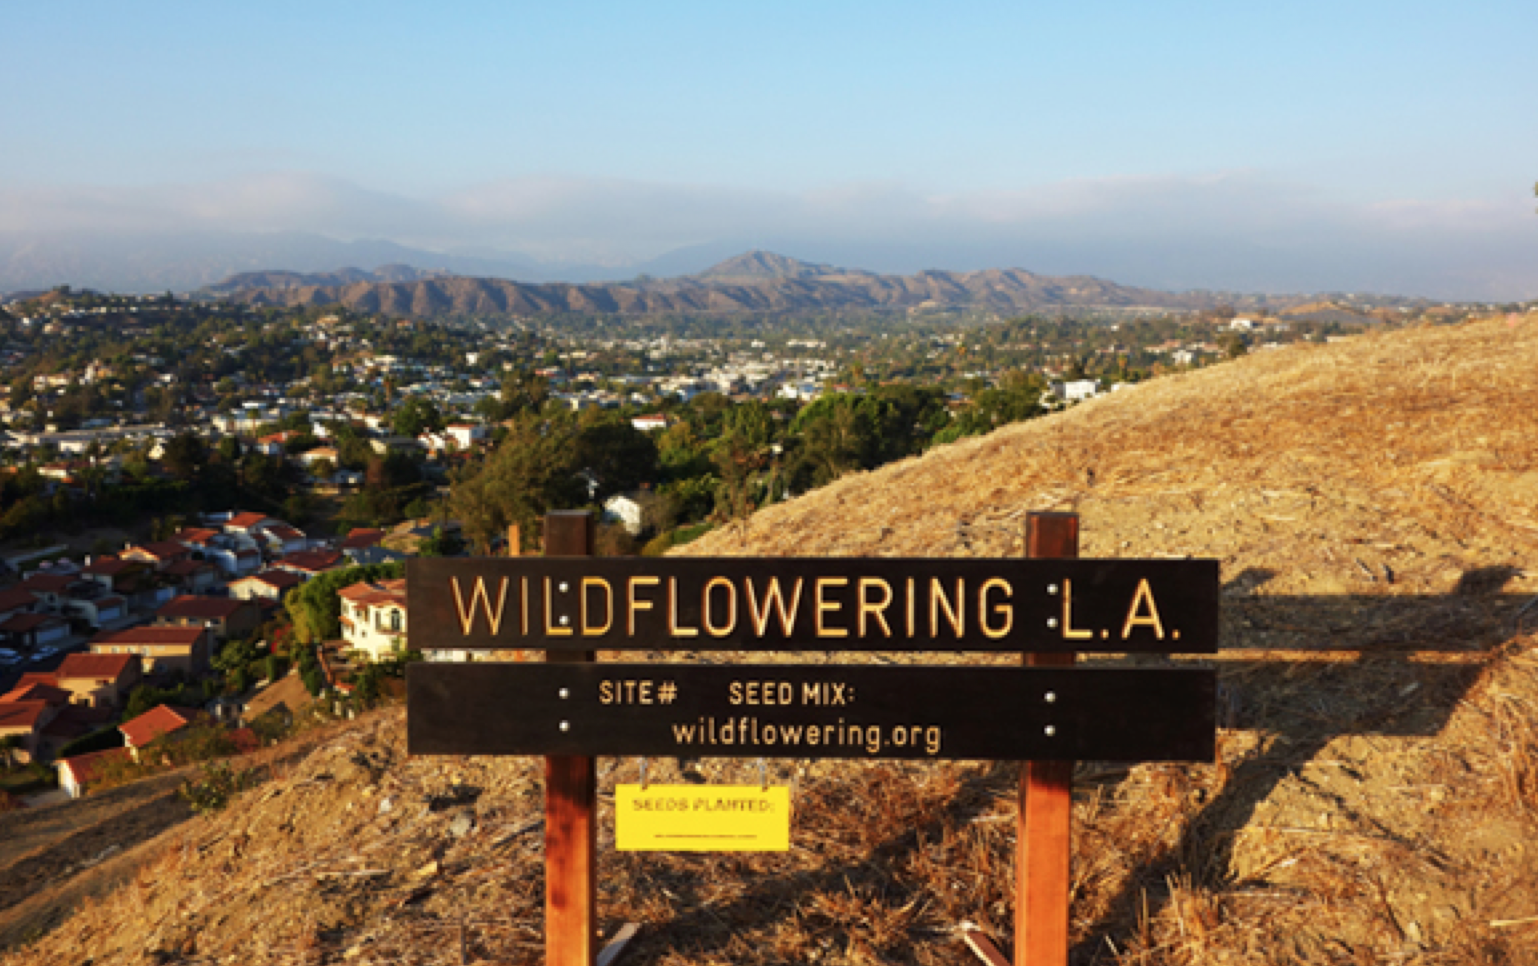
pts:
pixel 702 818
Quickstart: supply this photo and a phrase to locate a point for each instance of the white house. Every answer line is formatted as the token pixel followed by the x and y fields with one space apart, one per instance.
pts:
pixel 1076 390
pixel 466 435
pixel 635 510
pixel 374 617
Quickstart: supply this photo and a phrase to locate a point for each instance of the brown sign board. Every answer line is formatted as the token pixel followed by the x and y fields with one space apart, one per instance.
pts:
pixel 811 711
pixel 814 604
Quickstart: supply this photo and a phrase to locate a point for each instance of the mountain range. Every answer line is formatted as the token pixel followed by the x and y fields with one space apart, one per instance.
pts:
pixel 753 282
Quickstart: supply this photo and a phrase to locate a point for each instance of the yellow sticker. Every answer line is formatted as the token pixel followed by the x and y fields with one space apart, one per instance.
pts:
pixel 702 818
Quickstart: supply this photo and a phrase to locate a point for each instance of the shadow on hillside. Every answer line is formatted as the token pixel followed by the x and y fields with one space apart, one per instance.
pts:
pixel 1349 665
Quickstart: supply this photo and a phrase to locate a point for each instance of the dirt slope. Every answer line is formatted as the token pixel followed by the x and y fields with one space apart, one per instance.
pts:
pixel 1375 801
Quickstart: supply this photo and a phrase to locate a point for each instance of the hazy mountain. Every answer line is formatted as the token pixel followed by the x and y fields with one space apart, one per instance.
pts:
pixel 755 282
pixel 757 265
pixel 184 262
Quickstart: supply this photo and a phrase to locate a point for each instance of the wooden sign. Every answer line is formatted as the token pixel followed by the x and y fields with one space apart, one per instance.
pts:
pixel 701 818
pixel 586 604
pixel 820 711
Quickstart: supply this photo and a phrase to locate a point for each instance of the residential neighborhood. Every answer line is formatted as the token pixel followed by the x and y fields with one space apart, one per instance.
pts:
pixel 186 485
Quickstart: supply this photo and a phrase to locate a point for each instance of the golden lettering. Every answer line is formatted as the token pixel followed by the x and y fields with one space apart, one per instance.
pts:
pixel 870 607
pixel 825 606
pixel 523 610
pixel 912 604
pixel 1151 619
pixel 719 630
pixel 588 630
pixel 956 613
pixel 774 602
pixel 1005 609
pixel 634 603
pixel 1070 633
pixel 674 628
pixel 467 614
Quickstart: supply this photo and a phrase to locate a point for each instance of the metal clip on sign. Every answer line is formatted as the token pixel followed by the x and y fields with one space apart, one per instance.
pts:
pixel 643 774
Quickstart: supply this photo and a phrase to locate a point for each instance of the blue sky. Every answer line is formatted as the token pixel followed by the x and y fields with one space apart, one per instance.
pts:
pixel 1303 145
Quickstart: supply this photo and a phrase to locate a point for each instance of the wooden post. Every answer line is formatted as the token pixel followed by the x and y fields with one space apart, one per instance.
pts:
pixel 1042 842
pixel 571 802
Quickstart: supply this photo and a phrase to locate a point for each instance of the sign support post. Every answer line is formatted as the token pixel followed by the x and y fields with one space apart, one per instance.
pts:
pixel 571 801
pixel 1042 838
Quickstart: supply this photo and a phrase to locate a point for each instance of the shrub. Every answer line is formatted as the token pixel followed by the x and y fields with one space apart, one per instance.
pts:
pixel 216 786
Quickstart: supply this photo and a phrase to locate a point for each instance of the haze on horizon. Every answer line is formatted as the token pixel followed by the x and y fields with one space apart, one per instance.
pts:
pixel 1364 147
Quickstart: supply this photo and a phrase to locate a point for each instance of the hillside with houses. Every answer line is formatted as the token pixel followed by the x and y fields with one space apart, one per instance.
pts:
pixel 1373 792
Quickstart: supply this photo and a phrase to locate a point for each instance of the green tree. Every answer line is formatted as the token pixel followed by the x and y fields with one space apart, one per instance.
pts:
pixel 615 455
pixel 416 416
pixel 316 609
pixel 532 471
pixel 185 456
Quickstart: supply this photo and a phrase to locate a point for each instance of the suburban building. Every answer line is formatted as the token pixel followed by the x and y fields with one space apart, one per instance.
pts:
pixel 28 632
pixel 635 510
pixel 192 576
pixel 118 575
pixel 78 772
pixel 51 589
pixel 161 650
pixel 98 680
pixel 1076 390
pixel 374 617
pixel 308 563
pixel 267 585
pixel 97 611
pixel 159 720
pixel 16 600
pixel 25 720
pixel 160 554
pixel 224 617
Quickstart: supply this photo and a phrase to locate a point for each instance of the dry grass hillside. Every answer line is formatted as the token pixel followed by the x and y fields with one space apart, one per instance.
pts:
pixel 1375 507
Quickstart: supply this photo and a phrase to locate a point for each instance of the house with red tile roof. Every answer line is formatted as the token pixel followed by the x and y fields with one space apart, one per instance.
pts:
pixel 197 538
pixel 37 689
pixel 28 632
pixel 224 617
pixel 16 600
pixel 51 589
pixel 99 680
pixel 157 721
pixel 191 576
pixel 161 650
pixel 267 585
pixel 247 522
pixel 282 539
pixel 308 563
pixel 160 554
pixel 360 537
pixel 374 617
pixel 118 575
pixel 26 720
pixel 81 770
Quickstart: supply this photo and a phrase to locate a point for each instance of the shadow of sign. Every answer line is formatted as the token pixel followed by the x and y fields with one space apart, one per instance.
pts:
pixel 1297 675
